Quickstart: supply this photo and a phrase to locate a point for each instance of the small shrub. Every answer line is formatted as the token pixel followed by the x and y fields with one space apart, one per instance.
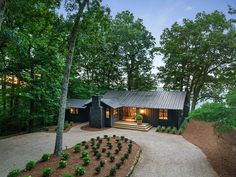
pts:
pixel 79 170
pixel 130 141
pixel 112 171
pixel 66 155
pixel 77 148
pixel 118 165
pixel 126 155
pixel 117 140
pixel 138 117
pixel 105 136
pixel 122 137
pixel 112 158
pixel 98 169
pixel 95 152
pixel 163 128
pixel 92 143
pixel 102 163
pixel 129 150
pixel 100 141
pixel 98 145
pixel 98 156
pixel 68 175
pixel 62 163
pixel 110 146
pixel 108 139
pixel 168 129
pixel 84 154
pixel 117 151
pixel 122 159
pixel 181 131
pixel 98 138
pixel 86 160
pixel 30 165
pixel 92 139
pixel 114 136
pixel 173 131
pixel 130 145
pixel 86 146
pixel 104 150
pixel 46 172
pixel 66 125
pixel 108 154
pixel 126 140
pixel 14 173
pixel 158 128
pixel 83 143
pixel 94 148
pixel 27 176
pixel 45 157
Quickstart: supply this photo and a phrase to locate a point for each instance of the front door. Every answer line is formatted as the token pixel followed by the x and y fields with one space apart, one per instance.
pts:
pixel 129 114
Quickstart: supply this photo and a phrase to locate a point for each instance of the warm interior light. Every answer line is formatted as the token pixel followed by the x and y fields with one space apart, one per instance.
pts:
pixel 142 111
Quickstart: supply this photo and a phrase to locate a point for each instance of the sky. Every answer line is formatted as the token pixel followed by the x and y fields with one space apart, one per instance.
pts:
pixel 160 14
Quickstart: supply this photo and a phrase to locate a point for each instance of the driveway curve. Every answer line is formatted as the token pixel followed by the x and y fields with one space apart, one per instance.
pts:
pixel 163 155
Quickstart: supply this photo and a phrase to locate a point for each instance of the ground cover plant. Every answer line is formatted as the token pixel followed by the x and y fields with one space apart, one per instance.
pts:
pixel 103 156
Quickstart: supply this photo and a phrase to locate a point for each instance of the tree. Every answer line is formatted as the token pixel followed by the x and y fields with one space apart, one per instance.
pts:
pixel 2 11
pixel 197 54
pixel 64 90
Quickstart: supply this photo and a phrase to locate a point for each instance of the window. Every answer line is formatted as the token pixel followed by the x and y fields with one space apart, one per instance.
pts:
pixel 163 114
pixel 74 111
pixel 115 113
pixel 107 113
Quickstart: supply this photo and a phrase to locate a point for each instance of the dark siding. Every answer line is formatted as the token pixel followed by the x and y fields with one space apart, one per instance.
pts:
pixel 108 121
pixel 83 115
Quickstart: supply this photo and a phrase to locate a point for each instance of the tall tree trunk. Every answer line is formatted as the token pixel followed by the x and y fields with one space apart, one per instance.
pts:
pixel 4 92
pixel 195 98
pixel 2 10
pixel 64 89
pixel 32 102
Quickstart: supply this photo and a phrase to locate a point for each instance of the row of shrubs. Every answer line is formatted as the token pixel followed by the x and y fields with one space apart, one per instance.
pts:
pixel 173 130
pixel 80 170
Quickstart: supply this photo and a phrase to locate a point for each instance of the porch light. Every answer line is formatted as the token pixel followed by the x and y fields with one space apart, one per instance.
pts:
pixel 142 111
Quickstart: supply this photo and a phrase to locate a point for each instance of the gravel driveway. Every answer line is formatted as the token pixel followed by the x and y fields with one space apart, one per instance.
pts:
pixel 164 155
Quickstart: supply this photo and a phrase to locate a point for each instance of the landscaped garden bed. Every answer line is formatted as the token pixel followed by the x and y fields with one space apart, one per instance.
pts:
pixel 100 157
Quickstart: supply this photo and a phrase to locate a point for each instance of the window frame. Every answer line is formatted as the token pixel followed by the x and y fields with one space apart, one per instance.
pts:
pixel 74 111
pixel 163 114
pixel 107 113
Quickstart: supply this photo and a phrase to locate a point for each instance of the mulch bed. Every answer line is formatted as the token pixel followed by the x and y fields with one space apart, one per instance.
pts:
pixel 52 129
pixel 220 150
pixel 75 160
pixel 88 128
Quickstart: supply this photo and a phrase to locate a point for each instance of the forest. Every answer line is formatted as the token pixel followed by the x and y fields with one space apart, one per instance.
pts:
pixel 109 53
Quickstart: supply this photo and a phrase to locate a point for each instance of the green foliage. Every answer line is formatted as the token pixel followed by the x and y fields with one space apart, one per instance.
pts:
pixel 62 163
pixel 104 150
pixel 113 171
pixel 86 160
pixel 98 169
pixel 108 154
pixel 209 112
pixel 174 130
pixel 139 117
pixel 112 158
pixel 102 163
pixel 45 157
pixel 118 165
pixel 117 151
pixel 68 175
pixel 30 165
pixel 84 153
pixel 66 155
pixel 79 170
pixel 168 129
pixel 14 173
pixel 77 148
pixel 158 128
pixel 66 125
pixel 98 155
pixel 46 172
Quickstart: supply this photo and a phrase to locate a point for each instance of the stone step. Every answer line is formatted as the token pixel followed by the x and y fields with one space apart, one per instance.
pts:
pixel 132 126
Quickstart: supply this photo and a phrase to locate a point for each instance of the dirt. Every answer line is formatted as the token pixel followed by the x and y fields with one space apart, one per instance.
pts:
pixel 88 128
pixel 220 150
pixel 52 129
pixel 75 159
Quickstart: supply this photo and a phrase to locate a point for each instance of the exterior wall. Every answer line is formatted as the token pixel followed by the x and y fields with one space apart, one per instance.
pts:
pixel 83 115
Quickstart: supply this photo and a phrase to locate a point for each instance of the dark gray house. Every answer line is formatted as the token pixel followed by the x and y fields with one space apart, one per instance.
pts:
pixel 157 107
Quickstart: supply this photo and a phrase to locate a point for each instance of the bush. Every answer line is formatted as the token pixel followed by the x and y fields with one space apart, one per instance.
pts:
pixel 122 137
pixel 114 136
pixel 108 154
pixel 102 163
pixel 77 148
pixel 92 139
pixel 181 131
pixel 98 156
pixel 126 140
pixel 68 175
pixel 118 165
pixel 14 173
pixel 126 155
pixel 84 154
pixel 66 125
pixel 95 152
pixel 105 136
pixel 104 150
pixel 130 145
pixel 86 146
pixel 62 163
pixel 86 160
pixel 158 128
pixel 117 151
pixel 100 141
pixel 138 117
pixel 113 172
pixel 46 172
pixel 98 145
pixel 122 159
pixel 83 143
pixel 98 138
pixel 112 158
pixel 163 128
pixel 30 165
pixel 130 141
pixel 173 131
pixel 45 157
pixel 66 155
pixel 168 129
pixel 129 150
pixel 79 170
pixel 98 169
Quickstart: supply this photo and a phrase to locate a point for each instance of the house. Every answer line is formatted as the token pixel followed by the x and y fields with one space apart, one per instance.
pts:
pixel 165 108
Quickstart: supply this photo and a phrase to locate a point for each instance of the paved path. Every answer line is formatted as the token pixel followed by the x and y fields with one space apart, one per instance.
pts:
pixel 163 155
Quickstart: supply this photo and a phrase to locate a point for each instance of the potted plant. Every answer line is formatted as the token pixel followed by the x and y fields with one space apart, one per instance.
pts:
pixel 139 119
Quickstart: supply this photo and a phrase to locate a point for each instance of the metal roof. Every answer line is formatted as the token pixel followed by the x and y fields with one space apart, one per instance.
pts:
pixel 147 99
pixel 76 103
pixel 142 99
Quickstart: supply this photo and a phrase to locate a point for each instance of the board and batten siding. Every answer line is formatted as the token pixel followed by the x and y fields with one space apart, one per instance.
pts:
pixel 82 116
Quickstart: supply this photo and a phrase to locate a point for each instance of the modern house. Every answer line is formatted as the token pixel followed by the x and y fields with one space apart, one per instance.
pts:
pixel 157 107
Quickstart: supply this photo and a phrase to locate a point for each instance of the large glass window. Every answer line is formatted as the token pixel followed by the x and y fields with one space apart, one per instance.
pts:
pixel 74 110
pixel 163 114
pixel 107 113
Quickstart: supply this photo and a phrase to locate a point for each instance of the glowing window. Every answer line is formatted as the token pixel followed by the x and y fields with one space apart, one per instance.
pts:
pixel 107 113
pixel 74 111
pixel 163 114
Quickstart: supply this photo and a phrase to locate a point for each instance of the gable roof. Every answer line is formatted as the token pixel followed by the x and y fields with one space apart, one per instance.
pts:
pixel 143 99
pixel 76 103
pixel 147 99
